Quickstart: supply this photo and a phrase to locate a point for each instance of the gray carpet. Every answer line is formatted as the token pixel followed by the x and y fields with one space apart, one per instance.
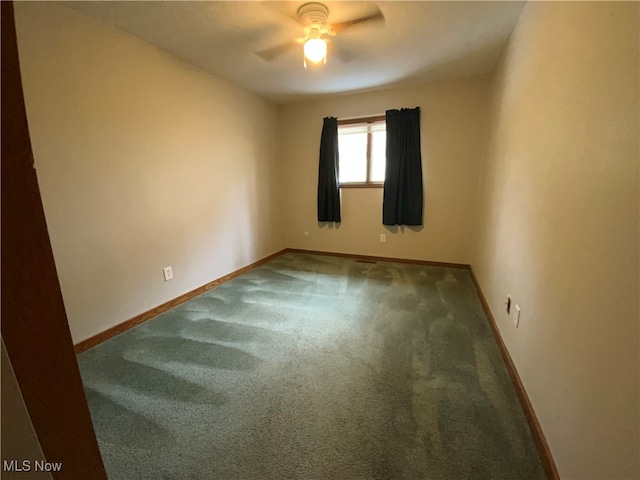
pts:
pixel 312 367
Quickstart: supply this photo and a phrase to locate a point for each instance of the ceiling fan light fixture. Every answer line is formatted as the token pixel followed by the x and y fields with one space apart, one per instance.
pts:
pixel 315 50
pixel 317 32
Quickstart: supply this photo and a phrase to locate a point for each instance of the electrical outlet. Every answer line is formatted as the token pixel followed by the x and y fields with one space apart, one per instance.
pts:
pixel 383 238
pixel 508 304
pixel 516 316
pixel 168 273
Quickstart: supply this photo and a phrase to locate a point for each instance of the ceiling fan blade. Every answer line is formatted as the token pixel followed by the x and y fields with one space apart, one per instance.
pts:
pixel 270 54
pixel 375 16
pixel 340 50
pixel 345 55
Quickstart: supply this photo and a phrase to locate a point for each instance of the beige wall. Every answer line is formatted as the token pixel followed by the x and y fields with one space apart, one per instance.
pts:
pixel 143 161
pixel 453 122
pixel 558 227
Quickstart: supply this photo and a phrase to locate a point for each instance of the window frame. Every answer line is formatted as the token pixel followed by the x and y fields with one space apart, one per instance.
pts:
pixel 364 121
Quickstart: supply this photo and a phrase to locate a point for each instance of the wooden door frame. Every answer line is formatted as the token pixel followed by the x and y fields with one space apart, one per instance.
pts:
pixel 34 321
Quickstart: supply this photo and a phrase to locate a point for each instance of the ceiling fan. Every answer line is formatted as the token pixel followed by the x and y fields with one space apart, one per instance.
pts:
pixel 317 32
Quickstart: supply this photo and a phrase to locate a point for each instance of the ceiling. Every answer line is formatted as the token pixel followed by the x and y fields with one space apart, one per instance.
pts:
pixel 418 42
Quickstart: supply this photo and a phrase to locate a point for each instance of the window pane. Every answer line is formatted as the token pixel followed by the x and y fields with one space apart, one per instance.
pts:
pixel 355 128
pixel 378 126
pixel 353 157
pixel 378 155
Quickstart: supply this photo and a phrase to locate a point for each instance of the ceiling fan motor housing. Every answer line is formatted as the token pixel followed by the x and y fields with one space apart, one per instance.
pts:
pixel 314 18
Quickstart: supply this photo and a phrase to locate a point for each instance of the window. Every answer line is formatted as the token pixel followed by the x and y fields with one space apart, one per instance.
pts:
pixel 362 147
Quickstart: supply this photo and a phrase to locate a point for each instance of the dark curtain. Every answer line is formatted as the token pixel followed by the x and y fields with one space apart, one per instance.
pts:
pixel 328 190
pixel 403 193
